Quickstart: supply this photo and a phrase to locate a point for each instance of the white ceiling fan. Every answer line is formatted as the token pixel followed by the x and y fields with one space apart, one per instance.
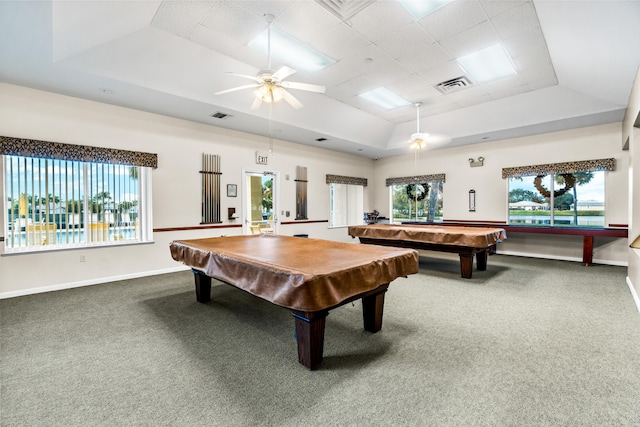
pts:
pixel 270 85
pixel 420 140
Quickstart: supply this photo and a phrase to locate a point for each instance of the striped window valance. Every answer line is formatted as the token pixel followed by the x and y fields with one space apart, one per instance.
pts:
pixel 82 153
pixel 339 179
pixel 560 168
pixel 419 179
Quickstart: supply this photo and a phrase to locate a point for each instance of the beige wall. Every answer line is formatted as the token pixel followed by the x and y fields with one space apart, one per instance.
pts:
pixel 33 114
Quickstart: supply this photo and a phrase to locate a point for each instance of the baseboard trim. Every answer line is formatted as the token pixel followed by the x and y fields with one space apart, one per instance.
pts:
pixel 564 258
pixel 633 294
pixel 98 281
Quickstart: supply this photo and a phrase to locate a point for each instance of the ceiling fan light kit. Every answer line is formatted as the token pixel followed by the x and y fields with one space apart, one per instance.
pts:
pixel 420 140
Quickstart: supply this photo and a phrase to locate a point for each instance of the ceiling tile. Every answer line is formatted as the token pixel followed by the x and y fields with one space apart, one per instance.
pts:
pixel 523 43
pixel 425 59
pixel 336 74
pixel 372 61
pixel 506 86
pixel 340 41
pixel 406 41
pixel 517 20
pixel 479 37
pixel 260 7
pixel 368 23
pixel 172 18
pixel 496 7
pixel 358 85
pixel 453 18
pixel 229 19
pixel 306 21
pixel 535 58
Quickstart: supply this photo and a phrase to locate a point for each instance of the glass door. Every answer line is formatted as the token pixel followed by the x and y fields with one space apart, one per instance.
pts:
pixel 260 202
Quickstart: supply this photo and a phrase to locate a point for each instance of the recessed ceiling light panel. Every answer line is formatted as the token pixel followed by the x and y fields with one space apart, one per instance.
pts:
pixel 291 51
pixel 488 64
pixel 421 8
pixel 385 98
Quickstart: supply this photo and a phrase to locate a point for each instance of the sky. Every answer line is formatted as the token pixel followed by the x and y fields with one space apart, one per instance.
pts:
pixel 594 190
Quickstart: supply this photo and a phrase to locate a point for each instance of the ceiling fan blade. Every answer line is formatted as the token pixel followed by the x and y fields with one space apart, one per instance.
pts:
pixel 256 103
pixel 237 88
pixel 283 73
pixel 304 86
pixel 291 100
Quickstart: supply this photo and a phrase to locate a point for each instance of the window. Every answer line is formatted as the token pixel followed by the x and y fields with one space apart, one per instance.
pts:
pixel 346 200
pixel 53 203
pixel 347 205
pixel 554 195
pixel 416 198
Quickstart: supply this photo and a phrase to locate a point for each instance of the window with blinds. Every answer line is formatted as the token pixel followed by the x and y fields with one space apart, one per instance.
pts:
pixel 57 204
pixel 346 200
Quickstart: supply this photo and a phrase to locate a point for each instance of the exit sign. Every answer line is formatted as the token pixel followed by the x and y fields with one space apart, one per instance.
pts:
pixel 261 158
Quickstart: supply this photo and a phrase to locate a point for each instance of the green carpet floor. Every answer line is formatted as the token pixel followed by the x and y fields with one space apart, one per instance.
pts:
pixel 528 342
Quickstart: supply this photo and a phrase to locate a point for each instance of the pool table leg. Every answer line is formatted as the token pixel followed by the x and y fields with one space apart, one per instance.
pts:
pixel 310 337
pixel 481 259
pixel 466 265
pixel 203 286
pixel 372 308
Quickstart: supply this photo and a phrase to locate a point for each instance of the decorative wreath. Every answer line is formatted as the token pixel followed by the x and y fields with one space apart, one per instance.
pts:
pixel 420 193
pixel 569 183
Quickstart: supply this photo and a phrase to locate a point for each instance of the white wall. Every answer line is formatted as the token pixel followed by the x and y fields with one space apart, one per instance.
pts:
pixel 631 134
pixel 596 142
pixel 32 114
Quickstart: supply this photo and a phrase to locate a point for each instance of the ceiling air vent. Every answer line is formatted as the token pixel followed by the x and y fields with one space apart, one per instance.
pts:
pixel 344 9
pixel 219 115
pixel 454 85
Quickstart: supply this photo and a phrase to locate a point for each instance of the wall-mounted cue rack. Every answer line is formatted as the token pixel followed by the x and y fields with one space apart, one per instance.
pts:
pixel 210 189
pixel 301 192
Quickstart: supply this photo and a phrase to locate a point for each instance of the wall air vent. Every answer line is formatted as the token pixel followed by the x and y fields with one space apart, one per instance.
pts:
pixel 454 85
pixel 219 115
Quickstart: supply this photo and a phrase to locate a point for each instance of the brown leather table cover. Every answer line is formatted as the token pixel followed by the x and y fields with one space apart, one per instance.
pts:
pixel 473 237
pixel 297 273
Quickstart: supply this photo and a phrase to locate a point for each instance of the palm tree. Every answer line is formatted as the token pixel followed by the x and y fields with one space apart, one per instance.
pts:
pixel 581 179
pixel 98 201
pixel 133 172
pixel 267 195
